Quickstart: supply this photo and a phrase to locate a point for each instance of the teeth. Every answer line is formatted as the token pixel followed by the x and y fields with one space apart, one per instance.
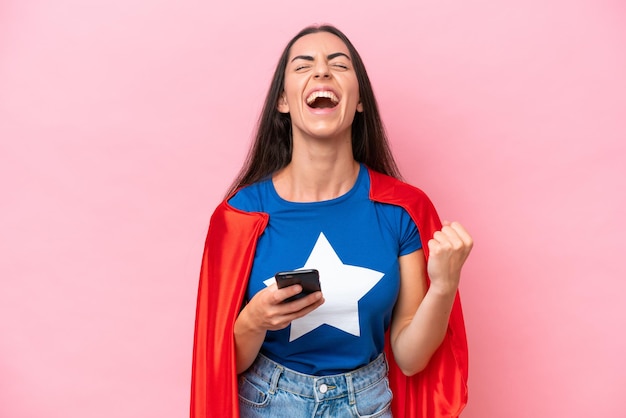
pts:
pixel 327 94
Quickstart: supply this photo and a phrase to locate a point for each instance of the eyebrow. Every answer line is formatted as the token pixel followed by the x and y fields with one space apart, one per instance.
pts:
pixel 329 57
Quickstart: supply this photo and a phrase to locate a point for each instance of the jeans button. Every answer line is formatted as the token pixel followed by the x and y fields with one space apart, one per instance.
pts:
pixel 323 388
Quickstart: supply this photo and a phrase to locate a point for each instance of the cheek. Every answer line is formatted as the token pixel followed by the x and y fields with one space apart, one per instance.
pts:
pixel 292 94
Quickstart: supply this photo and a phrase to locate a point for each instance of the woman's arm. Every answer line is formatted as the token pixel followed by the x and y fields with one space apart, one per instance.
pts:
pixel 264 312
pixel 420 317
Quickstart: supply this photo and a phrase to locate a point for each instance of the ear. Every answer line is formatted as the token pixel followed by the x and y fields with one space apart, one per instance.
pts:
pixel 282 105
pixel 359 107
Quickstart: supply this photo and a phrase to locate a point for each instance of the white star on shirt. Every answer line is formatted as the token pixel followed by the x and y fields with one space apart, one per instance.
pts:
pixel 343 286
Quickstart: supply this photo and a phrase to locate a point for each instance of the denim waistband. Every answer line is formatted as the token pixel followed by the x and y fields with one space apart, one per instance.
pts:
pixel 319 387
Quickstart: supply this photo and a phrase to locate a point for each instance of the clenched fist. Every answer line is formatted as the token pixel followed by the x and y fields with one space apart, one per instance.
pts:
pixel 449 249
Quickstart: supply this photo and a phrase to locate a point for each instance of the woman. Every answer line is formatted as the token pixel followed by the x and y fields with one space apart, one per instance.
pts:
pixel 320 190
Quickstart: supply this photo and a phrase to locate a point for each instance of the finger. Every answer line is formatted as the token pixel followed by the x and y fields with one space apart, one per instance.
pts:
pixel 455 231
pixel 440 237
pixel 435 246
pixel 287 292
pixel 275 296
pixel 287 312
pixel 452 236
pixel 446 239
pixel 463 234
pixel 312 298
pixel 307 304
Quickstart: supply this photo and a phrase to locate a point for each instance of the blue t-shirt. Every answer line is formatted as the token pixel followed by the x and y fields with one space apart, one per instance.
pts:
pixel 355 244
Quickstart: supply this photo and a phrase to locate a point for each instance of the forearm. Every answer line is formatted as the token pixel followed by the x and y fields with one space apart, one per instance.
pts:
pixel 416 340
pixel 248 341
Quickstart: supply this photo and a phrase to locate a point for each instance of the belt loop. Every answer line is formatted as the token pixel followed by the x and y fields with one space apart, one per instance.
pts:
pixel 275 376
pixel 351 397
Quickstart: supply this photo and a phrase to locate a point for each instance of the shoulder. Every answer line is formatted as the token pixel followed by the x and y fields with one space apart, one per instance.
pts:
pixel 387 189
pixel 248 198
pixel 244 203
pixel 229 221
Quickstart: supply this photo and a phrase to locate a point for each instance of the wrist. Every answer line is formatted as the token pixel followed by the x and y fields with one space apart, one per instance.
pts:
pixel 245 324
pixel 445 290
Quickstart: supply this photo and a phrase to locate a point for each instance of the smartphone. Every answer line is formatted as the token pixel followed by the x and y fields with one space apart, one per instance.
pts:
pixel 309 279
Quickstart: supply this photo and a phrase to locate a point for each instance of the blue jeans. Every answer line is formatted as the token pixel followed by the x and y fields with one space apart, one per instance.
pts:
pixel 268 389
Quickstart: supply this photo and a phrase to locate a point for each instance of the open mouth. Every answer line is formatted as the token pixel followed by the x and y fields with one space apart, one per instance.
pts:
pixel 322 99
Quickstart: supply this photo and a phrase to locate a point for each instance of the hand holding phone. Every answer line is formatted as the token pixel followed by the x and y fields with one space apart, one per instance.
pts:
pixel 309 279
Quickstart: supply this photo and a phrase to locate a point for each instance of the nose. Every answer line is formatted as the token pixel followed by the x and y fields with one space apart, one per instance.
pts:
pixel 321 71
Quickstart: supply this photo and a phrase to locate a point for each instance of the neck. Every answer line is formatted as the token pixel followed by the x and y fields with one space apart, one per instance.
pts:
pixel 317 172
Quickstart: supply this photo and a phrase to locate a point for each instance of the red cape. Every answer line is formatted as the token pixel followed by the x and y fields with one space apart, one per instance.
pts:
pixel 440 390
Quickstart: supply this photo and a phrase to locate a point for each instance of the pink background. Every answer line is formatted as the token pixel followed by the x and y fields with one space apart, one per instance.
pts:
pixel 123 121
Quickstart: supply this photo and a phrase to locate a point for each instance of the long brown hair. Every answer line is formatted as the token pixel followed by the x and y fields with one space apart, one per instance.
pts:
pixel 271 149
